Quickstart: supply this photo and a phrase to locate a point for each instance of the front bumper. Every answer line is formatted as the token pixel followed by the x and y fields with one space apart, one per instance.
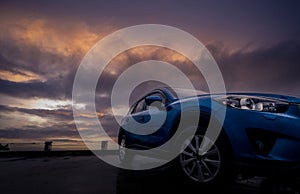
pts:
pixel 266 143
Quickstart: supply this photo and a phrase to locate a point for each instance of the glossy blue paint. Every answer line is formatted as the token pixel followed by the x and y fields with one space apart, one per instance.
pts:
pixel 245 129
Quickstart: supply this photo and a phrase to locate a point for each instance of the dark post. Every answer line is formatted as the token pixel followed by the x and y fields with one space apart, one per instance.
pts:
pixel 48 146
pixel 103 145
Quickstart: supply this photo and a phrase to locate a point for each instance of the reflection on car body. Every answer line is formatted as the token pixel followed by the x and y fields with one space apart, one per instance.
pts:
pixel 260 133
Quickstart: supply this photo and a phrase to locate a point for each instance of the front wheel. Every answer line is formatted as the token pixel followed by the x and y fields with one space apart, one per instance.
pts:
pixel 205 162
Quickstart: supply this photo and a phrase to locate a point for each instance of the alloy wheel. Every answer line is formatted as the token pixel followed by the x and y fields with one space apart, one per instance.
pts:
pixel 201 159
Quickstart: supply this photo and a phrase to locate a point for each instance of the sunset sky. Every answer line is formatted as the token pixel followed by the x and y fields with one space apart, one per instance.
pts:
pixel 255 43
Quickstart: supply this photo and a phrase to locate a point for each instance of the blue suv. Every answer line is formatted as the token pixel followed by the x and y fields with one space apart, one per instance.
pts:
pixel 260 133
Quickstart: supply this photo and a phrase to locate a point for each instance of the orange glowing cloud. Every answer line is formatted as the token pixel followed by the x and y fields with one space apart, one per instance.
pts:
pixel 49 38
pixel 55 37
pixel 24 76
pixel 142 53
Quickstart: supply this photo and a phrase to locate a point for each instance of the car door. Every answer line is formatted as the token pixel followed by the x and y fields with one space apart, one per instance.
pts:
pixel 157 125
pixel 144 132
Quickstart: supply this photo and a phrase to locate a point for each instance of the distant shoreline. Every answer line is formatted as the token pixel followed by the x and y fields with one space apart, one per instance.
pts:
pixel 33 154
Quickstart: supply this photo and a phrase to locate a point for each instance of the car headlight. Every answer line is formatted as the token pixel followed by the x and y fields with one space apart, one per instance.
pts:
pixel 254 103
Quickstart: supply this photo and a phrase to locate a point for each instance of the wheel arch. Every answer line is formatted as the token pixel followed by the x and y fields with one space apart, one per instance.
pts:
pixel 205 117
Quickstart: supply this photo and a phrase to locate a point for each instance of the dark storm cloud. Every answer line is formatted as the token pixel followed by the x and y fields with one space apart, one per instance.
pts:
pixel 9 66
pixel 40 133
pixel 270 69
pixel 59 77
pixel 273 69
pixel 17 56
pixel 60 114
pixel 258 49
pixel 54 89
pixel 255 20
pixel 232 22
pixel 67 131
pixel 64 123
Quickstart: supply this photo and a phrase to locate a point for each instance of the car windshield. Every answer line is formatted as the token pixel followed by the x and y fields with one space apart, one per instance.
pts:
pixel 183 92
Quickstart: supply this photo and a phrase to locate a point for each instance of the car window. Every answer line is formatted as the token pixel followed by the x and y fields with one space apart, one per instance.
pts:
pixel 160 95
pixel 139 106
pixel 131 109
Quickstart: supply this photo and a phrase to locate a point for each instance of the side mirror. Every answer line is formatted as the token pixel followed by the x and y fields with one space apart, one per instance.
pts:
pixel 150 99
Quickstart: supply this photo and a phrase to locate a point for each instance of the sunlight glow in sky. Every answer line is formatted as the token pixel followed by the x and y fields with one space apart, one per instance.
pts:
pixel 48 104
pixel 43 42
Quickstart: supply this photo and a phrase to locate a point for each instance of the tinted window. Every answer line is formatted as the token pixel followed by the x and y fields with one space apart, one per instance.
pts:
pixel 139 106
pixel 161 96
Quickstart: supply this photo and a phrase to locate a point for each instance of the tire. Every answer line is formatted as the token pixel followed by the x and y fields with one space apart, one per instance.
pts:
pixel 206 168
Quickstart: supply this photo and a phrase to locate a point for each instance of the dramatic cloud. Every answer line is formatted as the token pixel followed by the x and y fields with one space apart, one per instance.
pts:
pixel 39 133
pixel 60 114
pixel 273 69
pixel 256 46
